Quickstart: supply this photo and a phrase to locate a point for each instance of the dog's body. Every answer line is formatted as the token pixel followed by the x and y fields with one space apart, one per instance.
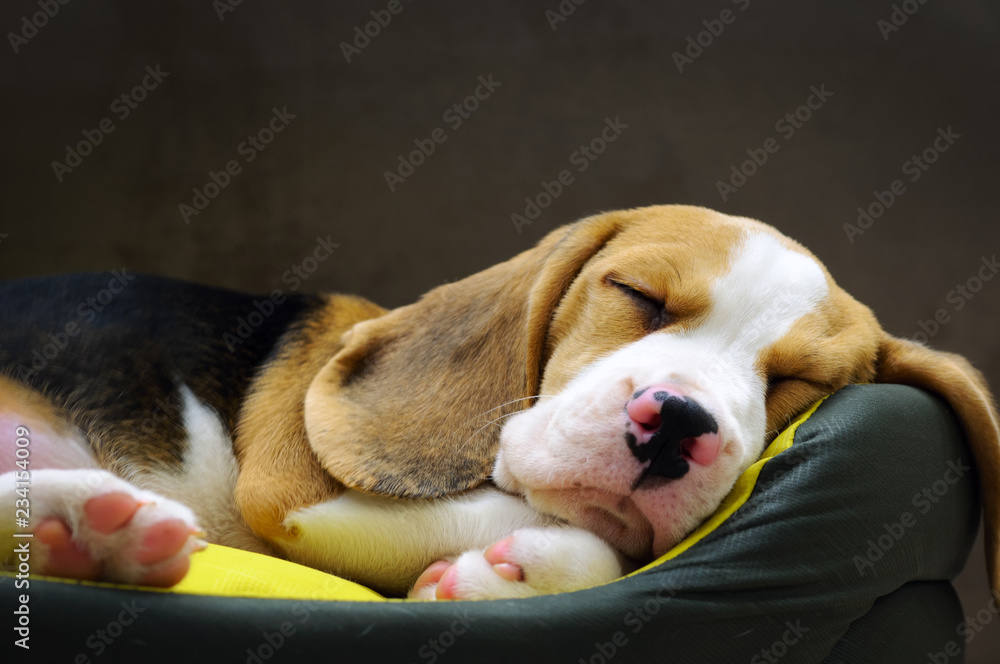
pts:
pixel 665 346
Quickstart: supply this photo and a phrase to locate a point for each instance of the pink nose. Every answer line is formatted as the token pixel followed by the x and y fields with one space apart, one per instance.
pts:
pixel 670 429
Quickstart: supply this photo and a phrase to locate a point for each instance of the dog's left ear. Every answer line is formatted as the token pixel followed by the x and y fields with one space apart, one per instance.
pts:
pixel 965 390
pixel 413 404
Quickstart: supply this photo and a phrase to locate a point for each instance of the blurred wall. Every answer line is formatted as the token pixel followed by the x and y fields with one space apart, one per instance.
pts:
pixel 691 89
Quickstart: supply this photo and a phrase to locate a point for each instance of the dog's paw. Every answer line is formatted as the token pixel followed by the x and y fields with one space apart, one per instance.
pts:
pixel 532 561
pixel 90 524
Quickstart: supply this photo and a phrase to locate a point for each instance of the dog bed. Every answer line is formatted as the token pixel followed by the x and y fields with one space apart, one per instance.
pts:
pixel 837 546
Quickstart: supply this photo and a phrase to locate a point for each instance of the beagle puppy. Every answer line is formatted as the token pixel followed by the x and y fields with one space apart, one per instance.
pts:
pixel 543 425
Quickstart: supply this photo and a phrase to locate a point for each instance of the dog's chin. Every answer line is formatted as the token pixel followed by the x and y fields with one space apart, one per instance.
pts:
pixel 615 519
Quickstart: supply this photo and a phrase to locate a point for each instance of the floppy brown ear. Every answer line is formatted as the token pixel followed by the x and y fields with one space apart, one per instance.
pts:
pixel 413 404
pixel 964 388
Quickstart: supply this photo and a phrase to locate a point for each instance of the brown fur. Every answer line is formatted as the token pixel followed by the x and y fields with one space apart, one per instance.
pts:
pixel 413 402
pixel 32 408
pixel 824 351
pixel 410 402
pixel 271 443
pixel 668 257
pixel 406 407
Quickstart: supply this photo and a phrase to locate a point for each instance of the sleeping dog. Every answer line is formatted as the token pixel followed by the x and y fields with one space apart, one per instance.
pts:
pixel 540 426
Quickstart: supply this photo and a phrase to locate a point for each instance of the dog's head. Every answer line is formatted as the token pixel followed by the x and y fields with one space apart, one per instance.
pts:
pixel 620 375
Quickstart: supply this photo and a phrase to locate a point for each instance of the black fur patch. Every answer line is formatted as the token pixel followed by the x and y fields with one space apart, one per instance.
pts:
pixel 113 348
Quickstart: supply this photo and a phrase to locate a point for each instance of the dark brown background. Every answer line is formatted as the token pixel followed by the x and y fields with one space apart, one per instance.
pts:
pixel 324 174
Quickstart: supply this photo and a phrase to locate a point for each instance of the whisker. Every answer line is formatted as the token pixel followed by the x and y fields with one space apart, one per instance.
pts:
pixel 539 396
pixel 473 434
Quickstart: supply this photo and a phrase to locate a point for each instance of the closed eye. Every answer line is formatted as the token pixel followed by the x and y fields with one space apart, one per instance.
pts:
pixel 652 308
pixel 775 381
pixel 783 382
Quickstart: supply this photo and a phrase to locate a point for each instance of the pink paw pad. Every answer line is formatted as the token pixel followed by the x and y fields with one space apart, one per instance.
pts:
pixel 109 512
pixel 431 575
pixel 167 575
pixel 498 556
pixel 162 540
pixel 446 584
pixel 64 556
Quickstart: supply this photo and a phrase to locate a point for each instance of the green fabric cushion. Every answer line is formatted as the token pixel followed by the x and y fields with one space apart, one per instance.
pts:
pixel 836 557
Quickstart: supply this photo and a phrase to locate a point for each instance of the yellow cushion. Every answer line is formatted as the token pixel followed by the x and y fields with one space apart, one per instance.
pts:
pixel 221 570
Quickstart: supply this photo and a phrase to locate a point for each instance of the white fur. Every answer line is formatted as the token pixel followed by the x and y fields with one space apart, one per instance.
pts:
pixel 62 494
pixel 207 479
pixel 553 559
pixel 200 493
pixel 567 454
pixel 386 542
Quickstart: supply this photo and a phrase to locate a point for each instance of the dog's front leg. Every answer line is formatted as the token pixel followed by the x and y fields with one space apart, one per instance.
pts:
pixel 385 543
pixel 531 561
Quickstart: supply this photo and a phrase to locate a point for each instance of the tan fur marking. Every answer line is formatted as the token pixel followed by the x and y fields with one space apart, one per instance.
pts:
pixel 824 351
pixel 32 407
pixel 437 371
pixel 411 405
pixel 278 470
pixel 673 254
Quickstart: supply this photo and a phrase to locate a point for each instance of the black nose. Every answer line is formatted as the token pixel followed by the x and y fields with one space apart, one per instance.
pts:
pixel 680 418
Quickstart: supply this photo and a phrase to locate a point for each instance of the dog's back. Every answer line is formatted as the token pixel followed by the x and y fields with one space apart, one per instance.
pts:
pixel 105 347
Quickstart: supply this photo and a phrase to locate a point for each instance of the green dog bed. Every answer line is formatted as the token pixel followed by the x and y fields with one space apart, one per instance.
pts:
pixel 837 546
